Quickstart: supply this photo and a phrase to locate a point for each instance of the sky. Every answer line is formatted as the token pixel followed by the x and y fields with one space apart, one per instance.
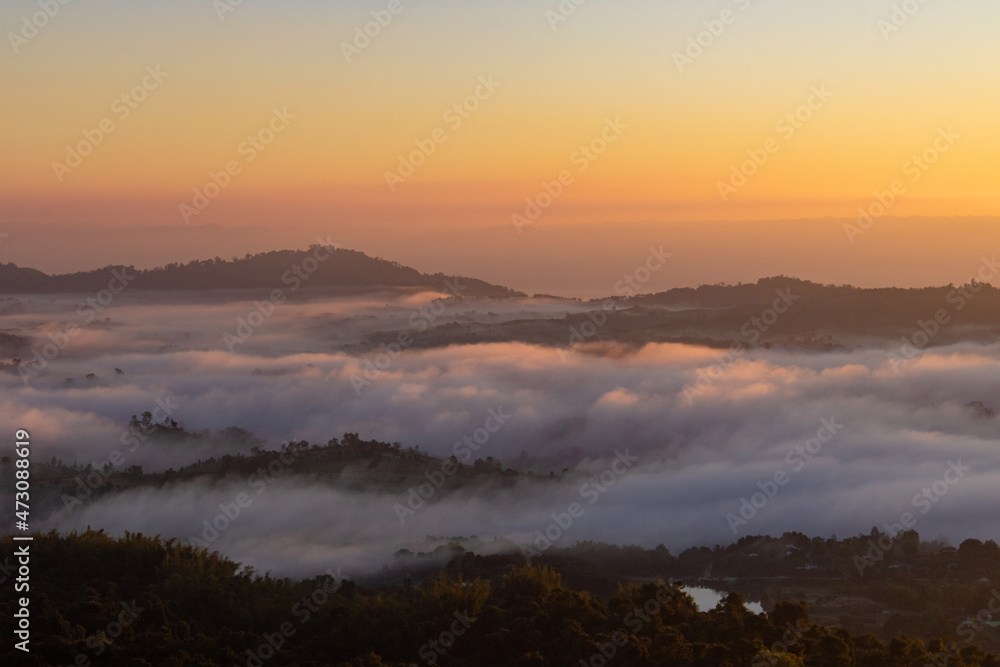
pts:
pixel 672 98
pixel 551 146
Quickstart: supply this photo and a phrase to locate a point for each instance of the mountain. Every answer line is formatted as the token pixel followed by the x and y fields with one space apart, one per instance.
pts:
pixel 806 308
pixel 319 266
pixel 773 311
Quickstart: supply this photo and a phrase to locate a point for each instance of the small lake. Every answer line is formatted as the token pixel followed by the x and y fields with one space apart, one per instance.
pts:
pixel 708 598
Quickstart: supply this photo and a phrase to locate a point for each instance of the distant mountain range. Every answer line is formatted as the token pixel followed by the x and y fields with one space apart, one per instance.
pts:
pixel 317 267
pixel 777 310
pixel 778 307
pixel 773 311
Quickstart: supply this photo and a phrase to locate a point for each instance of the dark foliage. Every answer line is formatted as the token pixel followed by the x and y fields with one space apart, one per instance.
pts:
pixel 190 607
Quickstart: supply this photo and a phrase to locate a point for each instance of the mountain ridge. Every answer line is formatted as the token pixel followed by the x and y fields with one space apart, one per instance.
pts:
pixel 276 268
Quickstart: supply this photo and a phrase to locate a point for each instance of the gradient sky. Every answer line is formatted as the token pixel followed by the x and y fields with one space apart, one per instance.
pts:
pixel 353 120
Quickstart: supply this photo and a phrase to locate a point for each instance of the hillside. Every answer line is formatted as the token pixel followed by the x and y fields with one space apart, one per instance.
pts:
pixel 778 311
pixel 841 307
pixel 184 606
pixel 317 267
pixel 350 463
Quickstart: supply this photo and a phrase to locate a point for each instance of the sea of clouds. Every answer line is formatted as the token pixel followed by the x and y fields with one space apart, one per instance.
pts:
pixel 700 457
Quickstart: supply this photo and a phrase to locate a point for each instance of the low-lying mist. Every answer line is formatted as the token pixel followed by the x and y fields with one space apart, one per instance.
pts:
pixel 854 439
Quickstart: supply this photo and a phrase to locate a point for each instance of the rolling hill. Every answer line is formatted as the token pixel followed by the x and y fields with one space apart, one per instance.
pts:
pixel 317 267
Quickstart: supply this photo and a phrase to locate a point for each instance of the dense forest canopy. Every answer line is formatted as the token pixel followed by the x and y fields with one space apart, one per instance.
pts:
pixel 141 601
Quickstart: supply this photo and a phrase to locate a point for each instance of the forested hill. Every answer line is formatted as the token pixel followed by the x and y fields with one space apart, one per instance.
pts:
pixel 317 267
pixel 886 303
pixel 142 601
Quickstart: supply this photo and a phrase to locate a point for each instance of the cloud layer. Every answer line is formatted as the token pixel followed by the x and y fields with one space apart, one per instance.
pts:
pixel 699 451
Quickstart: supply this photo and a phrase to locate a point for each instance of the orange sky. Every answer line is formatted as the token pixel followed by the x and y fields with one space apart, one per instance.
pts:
pixel 681 130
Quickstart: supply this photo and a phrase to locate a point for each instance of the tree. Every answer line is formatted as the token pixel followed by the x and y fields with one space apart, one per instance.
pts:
pixel 792 614
pixel 773 659
pixel 909 543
